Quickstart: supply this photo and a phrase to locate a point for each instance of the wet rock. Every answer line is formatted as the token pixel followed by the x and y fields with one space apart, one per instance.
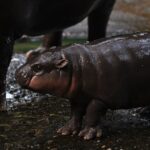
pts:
pixel 15 94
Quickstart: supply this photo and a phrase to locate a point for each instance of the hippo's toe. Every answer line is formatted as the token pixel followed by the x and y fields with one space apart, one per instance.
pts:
pixel 89 133
pixel 72 127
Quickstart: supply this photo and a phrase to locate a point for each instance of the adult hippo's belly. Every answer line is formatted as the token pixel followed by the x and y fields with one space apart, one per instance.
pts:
pixel 34 17
pixel 59 16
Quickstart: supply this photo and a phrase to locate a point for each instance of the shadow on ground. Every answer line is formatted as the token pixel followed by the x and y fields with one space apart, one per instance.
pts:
pixel 33 126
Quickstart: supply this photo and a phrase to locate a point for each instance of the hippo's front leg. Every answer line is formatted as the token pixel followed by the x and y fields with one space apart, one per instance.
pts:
pixel 95 110
pixel 6 48
pixel 73 126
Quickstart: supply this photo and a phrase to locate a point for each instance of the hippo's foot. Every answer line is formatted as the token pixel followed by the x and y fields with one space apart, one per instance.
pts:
pixel 89 133
pixel 34 52
pixel 72 127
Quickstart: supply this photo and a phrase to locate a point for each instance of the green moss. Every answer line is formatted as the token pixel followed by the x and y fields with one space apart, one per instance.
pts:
pixel 67 41
pixel 23 47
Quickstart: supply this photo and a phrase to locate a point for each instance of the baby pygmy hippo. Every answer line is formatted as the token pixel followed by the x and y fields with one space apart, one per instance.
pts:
pixel 110 74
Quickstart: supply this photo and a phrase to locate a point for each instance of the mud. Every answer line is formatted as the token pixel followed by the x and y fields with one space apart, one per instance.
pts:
pixel 32 118
pixel 33 126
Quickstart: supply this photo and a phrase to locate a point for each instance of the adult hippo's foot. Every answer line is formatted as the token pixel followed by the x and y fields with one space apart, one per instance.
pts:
pixel 49 41
pixel 35 52
pixel 6 48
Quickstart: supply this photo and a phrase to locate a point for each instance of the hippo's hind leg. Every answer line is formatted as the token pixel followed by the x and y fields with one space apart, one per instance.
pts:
pixel 6 48
pixel 73 126
pixel 95 110
pixel 98 19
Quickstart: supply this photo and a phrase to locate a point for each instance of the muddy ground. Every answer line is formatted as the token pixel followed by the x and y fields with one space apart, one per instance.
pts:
pixel 32 119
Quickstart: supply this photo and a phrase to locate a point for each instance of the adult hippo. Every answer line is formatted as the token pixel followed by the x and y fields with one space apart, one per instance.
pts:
pixel 35 17
pixel 111 74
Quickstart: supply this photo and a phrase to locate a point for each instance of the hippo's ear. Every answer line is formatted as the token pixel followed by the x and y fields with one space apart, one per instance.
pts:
pixel 61 63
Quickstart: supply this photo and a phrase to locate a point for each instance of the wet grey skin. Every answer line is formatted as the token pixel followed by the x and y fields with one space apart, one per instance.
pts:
pixel 107 74
pixel 36 17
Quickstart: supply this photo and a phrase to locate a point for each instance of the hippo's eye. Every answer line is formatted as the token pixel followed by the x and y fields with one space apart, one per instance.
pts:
pixel 36 68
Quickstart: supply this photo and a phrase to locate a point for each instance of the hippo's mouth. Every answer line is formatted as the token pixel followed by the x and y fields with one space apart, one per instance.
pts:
pixel 24 82
pixel 41 83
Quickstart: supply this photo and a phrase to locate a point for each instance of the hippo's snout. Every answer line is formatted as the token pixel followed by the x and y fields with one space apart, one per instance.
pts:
pixel 23 75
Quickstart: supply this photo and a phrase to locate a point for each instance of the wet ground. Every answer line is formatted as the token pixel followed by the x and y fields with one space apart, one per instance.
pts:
pixel 32 119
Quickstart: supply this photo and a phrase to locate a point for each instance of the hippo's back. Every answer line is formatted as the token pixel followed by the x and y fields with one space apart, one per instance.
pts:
pixel 116 68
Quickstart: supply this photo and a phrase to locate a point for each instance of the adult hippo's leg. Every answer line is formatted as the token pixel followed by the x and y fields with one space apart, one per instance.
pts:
pixel 52 39
pixel 98 19
pixel 97 23
pixel 6 49
pixel 95 110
